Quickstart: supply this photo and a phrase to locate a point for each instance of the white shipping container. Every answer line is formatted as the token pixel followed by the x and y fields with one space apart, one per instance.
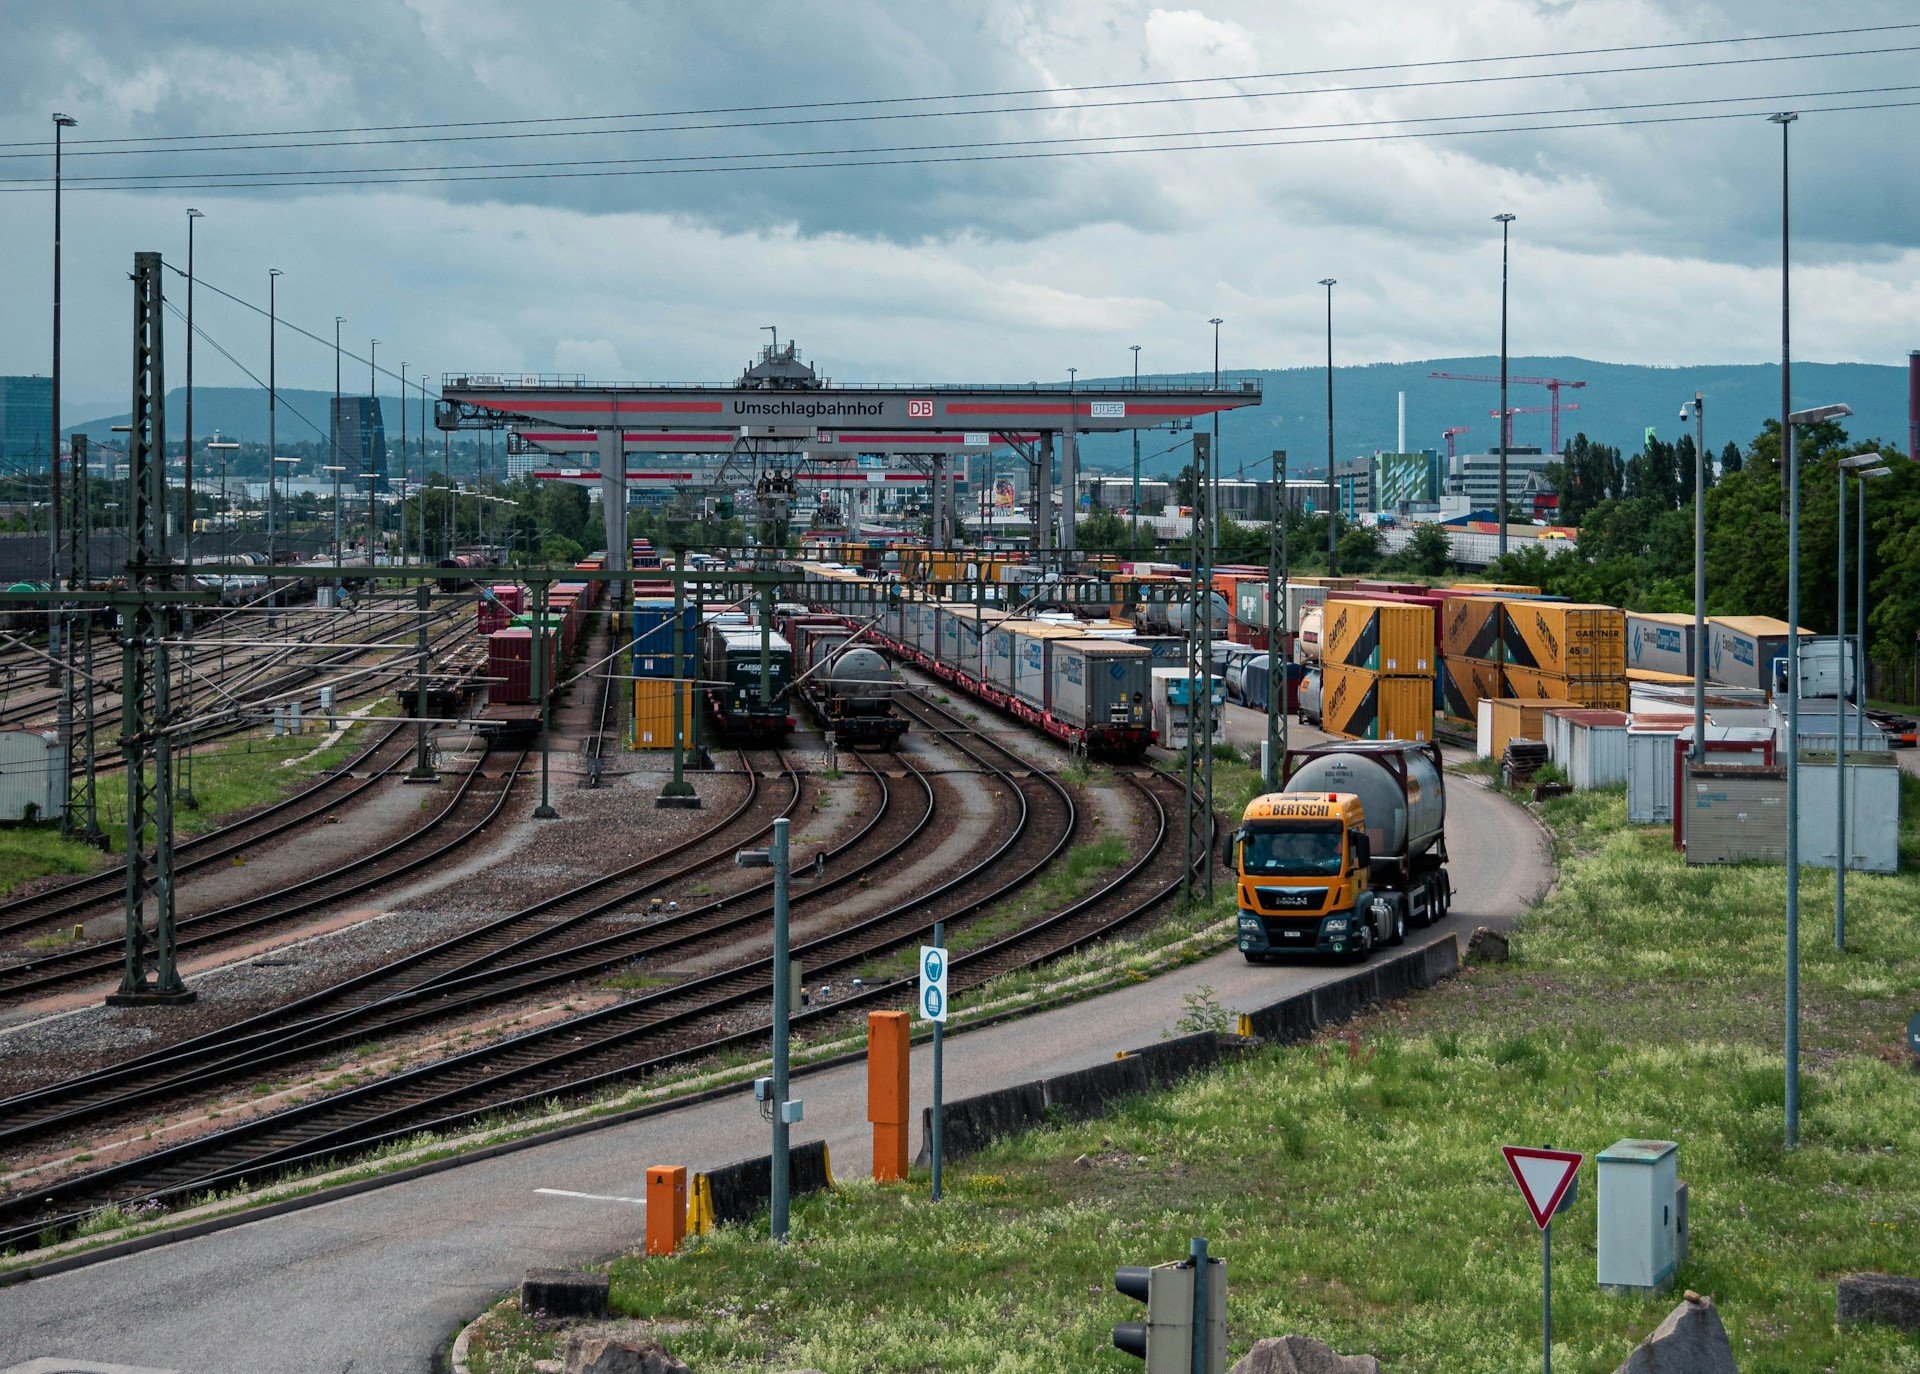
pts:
pixel 1659 643
pixel 1483 729
pixel 1590 744
pixel 1029 661
pixel 1170 713
pixel 1098 682
pixel 1873 812
pixel 33 775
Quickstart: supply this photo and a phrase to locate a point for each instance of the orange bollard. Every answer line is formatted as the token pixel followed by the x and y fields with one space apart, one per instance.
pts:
pixel 889 1096
pixel 666 1207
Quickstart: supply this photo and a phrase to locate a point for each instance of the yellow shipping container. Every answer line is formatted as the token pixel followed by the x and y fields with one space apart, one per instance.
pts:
pixel 653 712
pixel 1470 628
pixel 1610 692
pixel 1565 638
pixel 1464 682
pixel 1520 718
pixel 1363 705
pixel 1393 638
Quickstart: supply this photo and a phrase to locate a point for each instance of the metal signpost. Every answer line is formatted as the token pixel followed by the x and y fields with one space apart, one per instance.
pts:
pixel 1546 1179
pixel 933 1006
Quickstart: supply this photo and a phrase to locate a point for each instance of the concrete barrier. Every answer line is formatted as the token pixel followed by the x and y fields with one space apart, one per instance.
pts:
pixel 973 1123
pixel 741 1191
pixel 1086 1092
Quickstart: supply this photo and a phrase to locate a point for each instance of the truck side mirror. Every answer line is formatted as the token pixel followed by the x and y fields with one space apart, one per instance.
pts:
pixel 1227 856
pixel 1362 849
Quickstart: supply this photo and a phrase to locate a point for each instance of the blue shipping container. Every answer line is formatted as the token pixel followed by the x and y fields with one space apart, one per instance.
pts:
pixel 653 639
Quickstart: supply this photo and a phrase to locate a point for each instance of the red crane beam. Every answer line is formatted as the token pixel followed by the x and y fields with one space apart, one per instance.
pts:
pixel 1552 384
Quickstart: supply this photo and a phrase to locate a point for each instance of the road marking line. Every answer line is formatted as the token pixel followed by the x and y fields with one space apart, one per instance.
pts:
pixel 591 1197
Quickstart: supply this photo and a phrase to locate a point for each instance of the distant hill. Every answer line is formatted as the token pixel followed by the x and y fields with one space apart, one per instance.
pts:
pixel 1616 406
pixel 240 413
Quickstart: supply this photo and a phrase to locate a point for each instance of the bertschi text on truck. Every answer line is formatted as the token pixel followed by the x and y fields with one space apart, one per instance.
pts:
pixel 1349 853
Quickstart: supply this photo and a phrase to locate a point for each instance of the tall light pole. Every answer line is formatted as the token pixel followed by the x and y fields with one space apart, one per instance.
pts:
pixel 186 506
pixel 61 123
pixel 1276 622
pixel 1333 501
pixel 226 501
pixel 404 470
pixel 1699 752
pixel 273 444
pixel 333 429
pixel 1500 514
pixel 1213 491
pixel 1790 471
pixel 1854 464
pixel 339 587
pixel 1133 536
pixel 1860 611
pixel 372 479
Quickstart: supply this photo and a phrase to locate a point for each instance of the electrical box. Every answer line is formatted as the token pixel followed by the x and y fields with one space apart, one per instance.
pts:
pixel 790 1111
pixel 1639 1216
pixel 762 1089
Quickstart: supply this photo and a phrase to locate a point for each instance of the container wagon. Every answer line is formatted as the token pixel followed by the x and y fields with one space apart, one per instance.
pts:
pixel 731 658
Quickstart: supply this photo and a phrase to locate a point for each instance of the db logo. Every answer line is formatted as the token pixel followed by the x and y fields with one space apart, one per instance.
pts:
pixel 919 410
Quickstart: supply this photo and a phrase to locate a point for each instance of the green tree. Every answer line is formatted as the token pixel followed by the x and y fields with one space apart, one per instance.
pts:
pixel 1429 553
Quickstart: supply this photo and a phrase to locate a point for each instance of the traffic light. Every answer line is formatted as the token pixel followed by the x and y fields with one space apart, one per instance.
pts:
pixel 1164 1341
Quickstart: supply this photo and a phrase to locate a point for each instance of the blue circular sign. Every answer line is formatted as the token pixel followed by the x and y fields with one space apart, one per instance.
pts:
pixel 933 1003
pixel 935 966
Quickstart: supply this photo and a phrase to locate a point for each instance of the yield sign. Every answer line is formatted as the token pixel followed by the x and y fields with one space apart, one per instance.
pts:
pixel 1544 1177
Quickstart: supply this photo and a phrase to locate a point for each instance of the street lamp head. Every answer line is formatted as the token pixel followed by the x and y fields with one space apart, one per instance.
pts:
pixel 1876 472
pixel 1505 218
pixel 1216 321
pixel 65 121
pixel 194 214
pixel 1328 281
pixel 275 272
pixel 1859 460
pixel 334 467
pixel 1817 414
pixel 1784 117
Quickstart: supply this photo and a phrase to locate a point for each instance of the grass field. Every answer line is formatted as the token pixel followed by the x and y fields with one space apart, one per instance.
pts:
pixel 1354 1184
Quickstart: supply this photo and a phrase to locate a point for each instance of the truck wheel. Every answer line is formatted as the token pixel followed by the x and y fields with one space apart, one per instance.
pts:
pixel 1363 943
pixel 1399 923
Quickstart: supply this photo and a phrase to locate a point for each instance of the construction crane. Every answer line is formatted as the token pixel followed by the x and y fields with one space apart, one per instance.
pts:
pixel 1448 434
pixel 1552 384
pixel 1536 410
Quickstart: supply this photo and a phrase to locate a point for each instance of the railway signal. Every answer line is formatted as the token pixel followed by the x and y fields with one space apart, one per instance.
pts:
pixel 1169 1341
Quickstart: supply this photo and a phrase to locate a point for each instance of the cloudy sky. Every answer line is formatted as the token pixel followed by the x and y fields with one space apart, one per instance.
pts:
pixel 633 190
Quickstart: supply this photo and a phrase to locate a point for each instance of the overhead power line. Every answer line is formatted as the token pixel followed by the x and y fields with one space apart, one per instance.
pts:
pixel 323 180
pixel 78 145
pixel 319 175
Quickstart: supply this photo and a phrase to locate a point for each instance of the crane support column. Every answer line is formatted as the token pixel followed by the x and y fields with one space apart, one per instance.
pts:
pixel 1069 489
pixel 613 503
pixel 1042 513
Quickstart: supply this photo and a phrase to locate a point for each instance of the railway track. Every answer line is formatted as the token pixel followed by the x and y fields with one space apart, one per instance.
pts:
pixel 696 1016
pixel 70 900
pixel 386 998
pixel 468 813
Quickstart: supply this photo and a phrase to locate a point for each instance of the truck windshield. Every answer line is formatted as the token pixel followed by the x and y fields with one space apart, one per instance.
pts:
pixel 1296 851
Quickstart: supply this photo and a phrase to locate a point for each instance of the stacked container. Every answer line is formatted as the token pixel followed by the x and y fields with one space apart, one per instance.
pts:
pixel 1741 649
pixel 499 604
pixel 510 664
pixel 653 639
pixel 653 712
pixel 1377 676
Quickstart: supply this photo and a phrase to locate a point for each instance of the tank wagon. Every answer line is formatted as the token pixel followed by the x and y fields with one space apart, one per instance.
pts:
pixel 844 681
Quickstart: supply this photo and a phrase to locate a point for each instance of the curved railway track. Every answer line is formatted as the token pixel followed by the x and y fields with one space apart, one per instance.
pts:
pixel 69 900
pixel 696 1016
pixel 468 813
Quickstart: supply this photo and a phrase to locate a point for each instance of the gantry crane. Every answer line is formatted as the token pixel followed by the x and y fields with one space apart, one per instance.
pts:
pixel 1552 384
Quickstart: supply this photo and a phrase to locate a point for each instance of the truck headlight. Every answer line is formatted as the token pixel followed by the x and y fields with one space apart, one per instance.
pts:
pixel 1250 924
pixel 1337 925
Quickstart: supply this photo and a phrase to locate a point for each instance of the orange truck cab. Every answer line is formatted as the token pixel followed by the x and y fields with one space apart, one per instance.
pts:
pixel 1350 855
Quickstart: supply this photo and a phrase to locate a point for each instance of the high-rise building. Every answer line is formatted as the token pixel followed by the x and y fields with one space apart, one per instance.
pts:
pixel 26 416
pixel 359 438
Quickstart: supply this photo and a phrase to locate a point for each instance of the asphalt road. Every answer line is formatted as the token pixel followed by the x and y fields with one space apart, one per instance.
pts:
pixel 377 1282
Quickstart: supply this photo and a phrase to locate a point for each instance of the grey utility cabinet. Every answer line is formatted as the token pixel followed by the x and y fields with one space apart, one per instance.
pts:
pixel 1639 1241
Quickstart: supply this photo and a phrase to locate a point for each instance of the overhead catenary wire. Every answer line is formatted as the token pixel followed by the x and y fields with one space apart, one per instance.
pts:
pixel 310 181
pixel 1011 93
pixel 241 179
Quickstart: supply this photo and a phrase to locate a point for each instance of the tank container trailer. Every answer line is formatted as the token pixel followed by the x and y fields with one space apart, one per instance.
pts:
pixel 1349 853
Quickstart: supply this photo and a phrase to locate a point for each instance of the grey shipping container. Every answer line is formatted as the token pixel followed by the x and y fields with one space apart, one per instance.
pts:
pixel 1099 682
pixel 1735 815
pixel 33 775
pixel 1650 776
pixel 1818 715
pixel 1873 811
pixel 1660 643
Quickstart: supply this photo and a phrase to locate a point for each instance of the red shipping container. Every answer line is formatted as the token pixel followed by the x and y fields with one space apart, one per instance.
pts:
pixel 510 666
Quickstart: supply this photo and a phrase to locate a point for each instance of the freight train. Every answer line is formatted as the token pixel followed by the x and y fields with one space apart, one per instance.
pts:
pixel 747 680
pixel 1083 682
pixel 844 682
pixel 527 654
